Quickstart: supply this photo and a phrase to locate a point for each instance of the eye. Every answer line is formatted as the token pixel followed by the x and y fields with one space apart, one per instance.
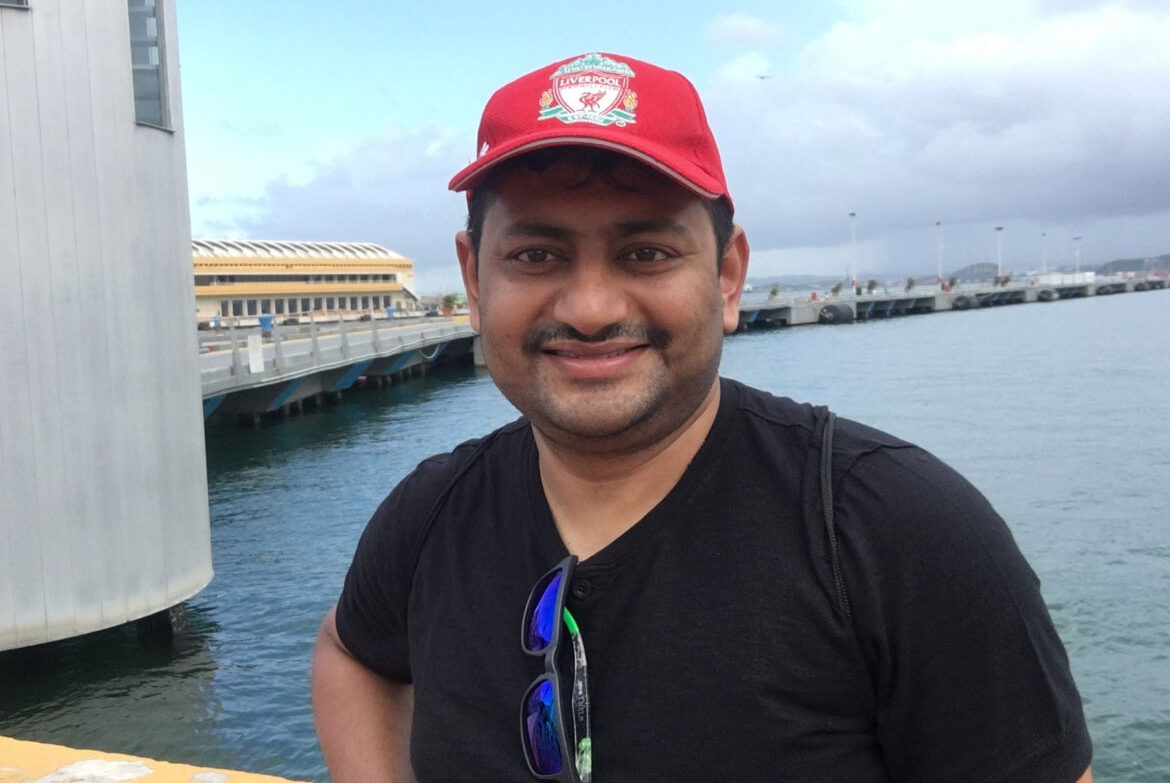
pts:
pixel 648 255
pixel 534 255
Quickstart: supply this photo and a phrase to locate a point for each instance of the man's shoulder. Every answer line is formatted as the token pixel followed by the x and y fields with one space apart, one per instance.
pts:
pixel 444 467
pixel 420 491
pixel 851 439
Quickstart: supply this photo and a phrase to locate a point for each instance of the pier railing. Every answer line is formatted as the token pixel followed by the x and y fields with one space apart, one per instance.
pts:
pixel 248 358
pixel 248 371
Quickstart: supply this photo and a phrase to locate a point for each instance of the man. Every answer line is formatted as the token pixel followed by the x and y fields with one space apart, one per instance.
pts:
pixel 729 635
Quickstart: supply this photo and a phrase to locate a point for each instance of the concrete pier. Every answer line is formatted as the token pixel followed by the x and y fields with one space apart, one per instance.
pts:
pixel 35 762
pixel 244 373
pixel 814 309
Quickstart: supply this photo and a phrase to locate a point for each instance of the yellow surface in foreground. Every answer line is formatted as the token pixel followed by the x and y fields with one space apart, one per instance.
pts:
pixel 34 762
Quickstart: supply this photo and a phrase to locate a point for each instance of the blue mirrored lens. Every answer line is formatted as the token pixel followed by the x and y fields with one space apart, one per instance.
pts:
pixel 540 727
pixel 544 616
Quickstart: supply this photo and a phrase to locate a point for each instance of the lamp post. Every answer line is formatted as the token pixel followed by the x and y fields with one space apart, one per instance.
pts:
pixel 999 251
pixel 852 254
pixel 938 255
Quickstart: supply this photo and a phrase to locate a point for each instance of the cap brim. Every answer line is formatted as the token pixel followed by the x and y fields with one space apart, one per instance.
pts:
pixel 689 176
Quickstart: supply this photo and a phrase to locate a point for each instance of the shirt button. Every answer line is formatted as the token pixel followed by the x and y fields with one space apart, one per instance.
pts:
pixel 582 588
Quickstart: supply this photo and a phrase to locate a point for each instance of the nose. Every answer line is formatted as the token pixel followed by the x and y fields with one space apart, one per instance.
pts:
pixel 591 297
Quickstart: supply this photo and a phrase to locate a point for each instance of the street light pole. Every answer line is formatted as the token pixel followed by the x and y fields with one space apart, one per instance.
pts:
pixel 999 251
pixel 852 254
pixel 938 239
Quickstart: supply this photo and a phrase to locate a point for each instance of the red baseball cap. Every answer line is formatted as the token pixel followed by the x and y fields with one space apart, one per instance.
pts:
pixel 602 100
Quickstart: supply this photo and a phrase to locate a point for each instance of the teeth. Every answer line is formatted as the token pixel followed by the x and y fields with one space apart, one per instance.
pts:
pixel 593 355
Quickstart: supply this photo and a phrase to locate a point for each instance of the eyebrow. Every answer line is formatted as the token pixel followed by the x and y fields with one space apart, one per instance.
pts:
pixel 652 226
pixel 623 228
pixel 547 230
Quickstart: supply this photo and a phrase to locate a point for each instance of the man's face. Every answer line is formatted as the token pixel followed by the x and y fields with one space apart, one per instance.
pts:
pixel 600 303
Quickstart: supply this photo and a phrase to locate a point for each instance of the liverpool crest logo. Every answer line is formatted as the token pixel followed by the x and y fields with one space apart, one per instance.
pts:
pixel 593 89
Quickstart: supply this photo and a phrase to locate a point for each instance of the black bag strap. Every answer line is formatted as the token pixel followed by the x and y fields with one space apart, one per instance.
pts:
pixel 827 507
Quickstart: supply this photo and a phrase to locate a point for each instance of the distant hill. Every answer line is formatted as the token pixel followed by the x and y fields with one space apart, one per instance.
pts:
pixel 789 280
pixel 1135 265
pixel 983 272
pixel 792 282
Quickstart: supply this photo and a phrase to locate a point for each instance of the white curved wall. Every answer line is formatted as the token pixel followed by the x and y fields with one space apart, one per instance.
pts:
pixel 103 487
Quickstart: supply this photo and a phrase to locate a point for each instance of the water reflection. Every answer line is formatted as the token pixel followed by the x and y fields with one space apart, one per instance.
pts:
pixel 72 691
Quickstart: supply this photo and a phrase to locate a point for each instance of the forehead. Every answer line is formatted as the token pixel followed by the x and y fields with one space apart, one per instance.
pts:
pixel 605 182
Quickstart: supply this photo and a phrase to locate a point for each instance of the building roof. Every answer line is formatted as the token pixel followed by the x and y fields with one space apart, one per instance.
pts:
pixel 284 250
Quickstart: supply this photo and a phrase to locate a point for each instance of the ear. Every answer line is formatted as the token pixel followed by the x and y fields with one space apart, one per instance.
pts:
pixel 469 266
pixel 732 274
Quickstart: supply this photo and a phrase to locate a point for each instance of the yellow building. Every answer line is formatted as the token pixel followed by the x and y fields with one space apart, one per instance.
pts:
pixel 244 279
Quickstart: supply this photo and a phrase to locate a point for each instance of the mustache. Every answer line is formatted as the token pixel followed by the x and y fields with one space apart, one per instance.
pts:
pixel 542 335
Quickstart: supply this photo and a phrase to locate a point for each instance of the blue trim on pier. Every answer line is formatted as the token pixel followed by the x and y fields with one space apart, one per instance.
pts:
pixel 350 377
pixel 211 403
pixel 285 393
pixel 401 361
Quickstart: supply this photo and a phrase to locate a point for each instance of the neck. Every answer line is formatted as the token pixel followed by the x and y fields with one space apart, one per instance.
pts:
pixel 595 496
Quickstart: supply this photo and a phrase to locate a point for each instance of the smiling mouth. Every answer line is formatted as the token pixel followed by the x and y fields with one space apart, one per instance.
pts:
pixel 591 356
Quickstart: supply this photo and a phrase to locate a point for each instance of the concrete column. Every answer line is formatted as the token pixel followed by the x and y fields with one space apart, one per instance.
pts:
pixel 235 347
pixel 316 350
pixel 278 348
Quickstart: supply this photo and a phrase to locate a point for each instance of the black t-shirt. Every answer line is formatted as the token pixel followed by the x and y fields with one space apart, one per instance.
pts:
pixel 715 650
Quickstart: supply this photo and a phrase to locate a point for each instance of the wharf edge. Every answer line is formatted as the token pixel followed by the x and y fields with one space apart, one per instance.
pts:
pixel 23 761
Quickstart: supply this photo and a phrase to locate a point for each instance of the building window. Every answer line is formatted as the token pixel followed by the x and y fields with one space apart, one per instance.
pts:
pixel 365 303
pixel 353 303
pixel 147 63
pixel 329 303
pixel 237 307
pixel 280 307
pixel 251 307
pixel 305 305
pixel 292 306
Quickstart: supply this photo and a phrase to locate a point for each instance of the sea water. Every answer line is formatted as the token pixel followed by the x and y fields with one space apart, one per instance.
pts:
pixel 1058 412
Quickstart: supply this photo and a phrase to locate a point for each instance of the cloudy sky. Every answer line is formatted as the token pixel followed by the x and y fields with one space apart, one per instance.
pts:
pixel 345 120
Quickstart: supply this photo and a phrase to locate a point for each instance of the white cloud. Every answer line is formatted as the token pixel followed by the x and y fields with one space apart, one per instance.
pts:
pixel 747 66
pixel 1047 119
pixel 743 31
pixel 392 191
